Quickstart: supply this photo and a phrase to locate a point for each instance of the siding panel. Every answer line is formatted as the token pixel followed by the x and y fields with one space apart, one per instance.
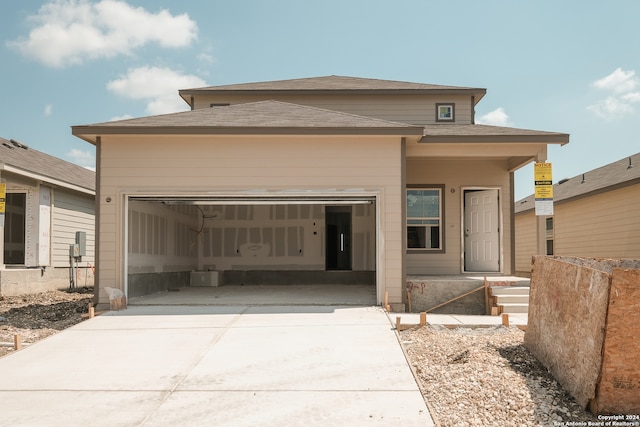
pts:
pixel 413 109
pixel 71 212
pixel 604 225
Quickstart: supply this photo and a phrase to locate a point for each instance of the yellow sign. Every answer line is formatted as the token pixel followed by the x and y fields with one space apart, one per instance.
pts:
pixel 543 188
pixel 3 196
pixel 542 174
pixel 544 192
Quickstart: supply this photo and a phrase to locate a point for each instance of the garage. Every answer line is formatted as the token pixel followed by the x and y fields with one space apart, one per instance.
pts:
pixel 257 193
pixel 312 244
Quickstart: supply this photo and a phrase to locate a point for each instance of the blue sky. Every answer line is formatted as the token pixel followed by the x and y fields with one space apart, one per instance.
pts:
pixel 567 66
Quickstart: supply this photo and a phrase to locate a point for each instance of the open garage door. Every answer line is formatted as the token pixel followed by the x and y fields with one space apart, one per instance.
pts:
pixel 249 240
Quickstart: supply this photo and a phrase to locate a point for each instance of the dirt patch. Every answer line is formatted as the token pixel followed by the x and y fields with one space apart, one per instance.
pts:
pixel 37 316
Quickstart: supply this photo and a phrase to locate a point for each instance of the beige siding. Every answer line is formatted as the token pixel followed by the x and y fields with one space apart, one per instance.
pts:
pixel 71 212
pixel 606 225
pixel 525 241
pixel 201 165
pixel 413 109
pixel 456 176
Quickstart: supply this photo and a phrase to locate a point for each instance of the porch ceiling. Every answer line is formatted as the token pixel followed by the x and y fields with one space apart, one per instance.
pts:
pixel 516 154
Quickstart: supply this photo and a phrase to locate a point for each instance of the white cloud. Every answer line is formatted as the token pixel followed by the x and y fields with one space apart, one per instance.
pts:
pixel 48 110
pixel 619 81
pixel 83 158
pixel 497 117
pixel 122 117
pixel 622 86
pixel 205 57
pixel 610 108
pixel 69 32
pixel 158 87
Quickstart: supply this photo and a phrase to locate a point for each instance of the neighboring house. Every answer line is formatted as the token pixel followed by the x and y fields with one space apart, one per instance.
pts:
pixel 47 201
pixel 330 179
pixel 595 215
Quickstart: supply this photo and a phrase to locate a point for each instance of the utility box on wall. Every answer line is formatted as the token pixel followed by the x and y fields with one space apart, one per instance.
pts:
pixel 81 241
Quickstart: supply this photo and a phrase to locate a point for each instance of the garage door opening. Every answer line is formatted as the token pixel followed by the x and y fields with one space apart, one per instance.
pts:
pixel 291 241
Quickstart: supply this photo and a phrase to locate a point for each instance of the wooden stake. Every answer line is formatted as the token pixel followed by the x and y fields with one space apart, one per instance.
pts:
pixel 423 319
pixel 386 301
pixel 505 320
pixel 17 342
pixel 398 323
pixel 487 296
pixel 92 312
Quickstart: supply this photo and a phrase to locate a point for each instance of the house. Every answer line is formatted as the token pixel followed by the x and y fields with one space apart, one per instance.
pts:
pixel 328 179
pixel 595 215
pixel 46 202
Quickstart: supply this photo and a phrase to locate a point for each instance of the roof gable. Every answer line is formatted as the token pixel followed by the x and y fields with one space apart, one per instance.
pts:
pixel 20 158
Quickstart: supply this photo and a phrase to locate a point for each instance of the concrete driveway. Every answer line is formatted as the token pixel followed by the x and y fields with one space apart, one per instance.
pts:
pixel 216 366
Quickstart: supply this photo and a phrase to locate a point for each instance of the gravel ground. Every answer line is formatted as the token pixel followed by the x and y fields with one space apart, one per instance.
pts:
pixel 38 316
pixel 486 377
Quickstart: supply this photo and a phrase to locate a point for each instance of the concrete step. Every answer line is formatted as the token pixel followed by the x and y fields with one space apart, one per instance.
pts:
pixel 515 308
pixel 512 299
pixel 510 290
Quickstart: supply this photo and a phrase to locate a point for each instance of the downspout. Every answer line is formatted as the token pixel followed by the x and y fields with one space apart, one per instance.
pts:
pixel 96 247
pixel 403 215
pixel 473 110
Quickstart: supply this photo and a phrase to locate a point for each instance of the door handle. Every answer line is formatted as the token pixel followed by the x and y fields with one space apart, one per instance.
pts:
pixel 341 242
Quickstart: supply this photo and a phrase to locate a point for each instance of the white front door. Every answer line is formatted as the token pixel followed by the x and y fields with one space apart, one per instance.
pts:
pixel 481 231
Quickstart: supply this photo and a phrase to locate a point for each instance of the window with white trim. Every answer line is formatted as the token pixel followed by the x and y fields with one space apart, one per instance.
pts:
pixel 424 218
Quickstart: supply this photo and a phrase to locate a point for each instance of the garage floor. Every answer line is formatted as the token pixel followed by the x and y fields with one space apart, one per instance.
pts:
pixel 347 295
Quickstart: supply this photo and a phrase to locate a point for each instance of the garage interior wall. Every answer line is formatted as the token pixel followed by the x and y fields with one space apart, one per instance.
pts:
pixel 268 237
pixel 167 241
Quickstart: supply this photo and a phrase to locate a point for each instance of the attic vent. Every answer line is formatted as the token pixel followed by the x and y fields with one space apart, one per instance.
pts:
pixel 562 181
pixel 19 144
pixel 219 105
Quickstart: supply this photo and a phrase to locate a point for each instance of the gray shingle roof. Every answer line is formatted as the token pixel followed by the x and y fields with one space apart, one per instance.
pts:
pixel 605 178
pixel 442 132
pixel 253 118
pixel 36 162
pixel 332 84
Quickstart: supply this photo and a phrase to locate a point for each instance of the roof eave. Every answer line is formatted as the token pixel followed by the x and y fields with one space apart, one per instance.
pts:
pixel 186 93
pixel 560 139
pixel 47 179
pixel 87 132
